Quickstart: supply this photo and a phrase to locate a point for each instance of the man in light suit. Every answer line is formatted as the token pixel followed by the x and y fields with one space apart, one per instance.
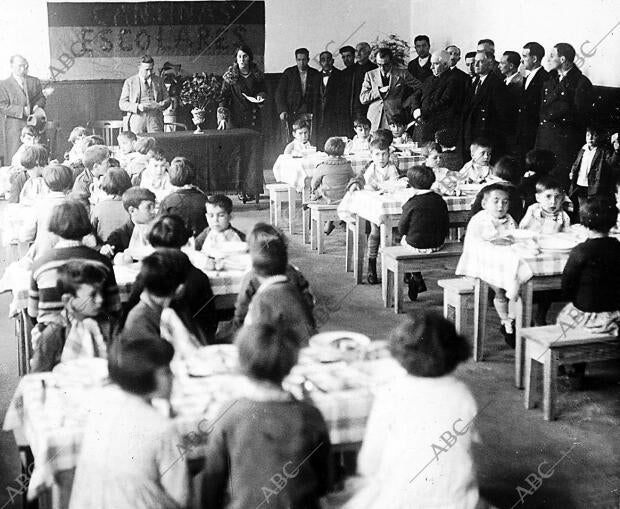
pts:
pixel 20 96
pixel 144 98
pixel 387 90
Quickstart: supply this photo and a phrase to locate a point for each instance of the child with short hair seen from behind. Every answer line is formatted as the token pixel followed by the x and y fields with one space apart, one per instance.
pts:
pixel 129 454
pixel 265 431
pixel 219 212
pixel 109 214
pixel 424 222
pixel 394 469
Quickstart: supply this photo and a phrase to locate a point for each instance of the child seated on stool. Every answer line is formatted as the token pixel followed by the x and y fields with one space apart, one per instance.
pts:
pixel 27 185
pixel 264 233
pixel 267 430
pixel 82 331
pixel 110 214
pixel 491 225
pixel 155 177
pixel 330 178
pixel 219 212
pixel 278 300
pixel 361 140
pixel 129 454
pixel 140 205
pixel 477 170
pixel 162 275
pixel 424 222
pixel 398 125
pixel 445 180
pixel 301 135
pixel 394 469
pixel 378 172
pixel 591 277
pixel 590 175
pixel 506 171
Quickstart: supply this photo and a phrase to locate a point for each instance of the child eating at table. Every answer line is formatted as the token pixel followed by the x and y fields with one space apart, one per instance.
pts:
pixel 109 214
pixel 395 470
pixel 140 205
pixel 546 215
pixel 477 170
pixel 278 299
pixel 379 172
pixel 493 224
pixel 266 431
pixel 219 212
pixel 129 455
pixel 262 234
pixel 424 222
pixel 591 277
pixel 445 180
pixel 361 141
pixel 162 276
pixel 82 330
pixel 155 177
pixel 28 176
pixel 330 177
pixel 301 135
pixel 398 125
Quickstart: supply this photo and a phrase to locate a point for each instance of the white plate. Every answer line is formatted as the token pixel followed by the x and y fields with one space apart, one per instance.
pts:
pixel 340 340
pixel 557 243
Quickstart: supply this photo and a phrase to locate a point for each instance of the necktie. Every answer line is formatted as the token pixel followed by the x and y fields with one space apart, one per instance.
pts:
pixel 477 86
pixel 149 90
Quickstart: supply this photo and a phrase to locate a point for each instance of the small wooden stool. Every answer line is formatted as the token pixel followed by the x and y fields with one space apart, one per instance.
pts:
pixel 350 246
pixel 458 298
pixel 278 194
pixel 319 213
pixel 549 347
pixel 396 261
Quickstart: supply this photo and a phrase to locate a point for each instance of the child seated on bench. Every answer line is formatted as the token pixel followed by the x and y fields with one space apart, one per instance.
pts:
pixel 591 277
pixel 424 222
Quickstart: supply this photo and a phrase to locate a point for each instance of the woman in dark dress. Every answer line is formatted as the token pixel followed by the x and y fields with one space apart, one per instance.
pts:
pixel 244 77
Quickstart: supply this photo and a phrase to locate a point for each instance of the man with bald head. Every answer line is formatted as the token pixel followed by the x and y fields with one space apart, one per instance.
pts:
pixel 362 66
pixel 440 105
pixel 20 96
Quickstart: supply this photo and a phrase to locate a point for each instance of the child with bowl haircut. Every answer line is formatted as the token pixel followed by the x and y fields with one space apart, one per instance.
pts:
pixel 301 135
pixel 265 431
pixel 445 180
pixel 361 140
pixel 478 169
pixel 109 214
pixel 219 212
pixel 546 215
pixel 155 176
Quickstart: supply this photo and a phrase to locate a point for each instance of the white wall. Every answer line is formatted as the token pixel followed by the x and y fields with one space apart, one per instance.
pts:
pixel 512 23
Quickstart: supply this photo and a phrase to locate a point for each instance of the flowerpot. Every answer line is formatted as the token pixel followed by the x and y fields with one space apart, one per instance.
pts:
pixel 198 118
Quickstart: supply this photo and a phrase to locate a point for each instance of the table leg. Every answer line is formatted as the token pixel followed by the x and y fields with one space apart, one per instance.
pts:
pixel 481 295
pixel 292 208
pixel 523 318
pixel 305 215
pixel 386 232
pixel 550 384
pixel 358 249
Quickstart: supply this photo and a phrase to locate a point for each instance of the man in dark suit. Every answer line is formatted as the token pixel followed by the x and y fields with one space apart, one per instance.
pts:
pixel 20 96
pixel 362 66
pixel 565 110
pixel 296 92
pixel 331 106
pixel 485 107
pixel 455 56
pixel 347 53
pixel 420 66
pixel 489 45
pixel 531 97
pixel 509 67
pixel 441 101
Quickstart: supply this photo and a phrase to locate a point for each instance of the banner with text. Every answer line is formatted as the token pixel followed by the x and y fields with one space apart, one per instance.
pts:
pixel 94 41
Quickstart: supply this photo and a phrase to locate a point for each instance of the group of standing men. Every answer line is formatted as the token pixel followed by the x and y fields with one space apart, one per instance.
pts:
pixel 493 100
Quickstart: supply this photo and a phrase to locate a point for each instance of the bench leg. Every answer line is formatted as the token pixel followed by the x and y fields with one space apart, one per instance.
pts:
pixel 349 243
pixel 320 237
pixel 312 231
pixel 481 294
pixel 458 315
pixel 532 377
pixel 358 249
pixel 398 288
pixel 384 283
pixel 292 204
pixel 550 384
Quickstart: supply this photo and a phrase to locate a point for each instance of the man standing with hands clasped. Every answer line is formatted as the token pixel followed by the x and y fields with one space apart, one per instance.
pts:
pixel 144 98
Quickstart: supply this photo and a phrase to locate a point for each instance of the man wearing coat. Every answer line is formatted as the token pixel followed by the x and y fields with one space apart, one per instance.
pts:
pixel 509 67
pixel 144 98
pixel 484 112
pixel 420 66
pixel 331 104
pixel 361 67
pixel 386 89
pixel 531 96
pixel 296 92
pixel 441 101
pixel 565 110
pixel 20 96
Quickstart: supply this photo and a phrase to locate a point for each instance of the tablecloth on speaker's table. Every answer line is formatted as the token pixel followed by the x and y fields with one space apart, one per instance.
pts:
pixel 223 159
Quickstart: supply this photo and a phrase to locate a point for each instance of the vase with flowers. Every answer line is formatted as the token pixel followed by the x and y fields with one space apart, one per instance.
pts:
pixel 202 92
pixel 399 47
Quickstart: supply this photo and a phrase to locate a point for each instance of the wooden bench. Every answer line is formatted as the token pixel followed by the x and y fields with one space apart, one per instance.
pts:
pixel 458 298
pixel 551 346
pixel 396 261
pixel 319 213
pixel 279 194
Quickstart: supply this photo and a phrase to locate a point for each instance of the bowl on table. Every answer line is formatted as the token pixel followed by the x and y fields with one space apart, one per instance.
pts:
pixel 558 243
pixel 338 345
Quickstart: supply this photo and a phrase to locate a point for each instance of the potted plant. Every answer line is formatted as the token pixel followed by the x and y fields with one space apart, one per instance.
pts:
pixel 400 49
pixel 202 92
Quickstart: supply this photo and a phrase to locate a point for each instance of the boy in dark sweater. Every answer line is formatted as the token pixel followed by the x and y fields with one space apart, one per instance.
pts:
pixel 424 222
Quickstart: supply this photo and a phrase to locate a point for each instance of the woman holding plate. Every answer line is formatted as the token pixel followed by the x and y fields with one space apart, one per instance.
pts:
pixel 243 93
